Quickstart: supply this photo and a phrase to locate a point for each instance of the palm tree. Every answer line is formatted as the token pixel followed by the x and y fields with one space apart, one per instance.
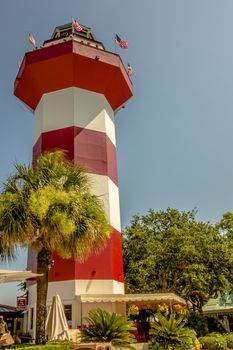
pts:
pixel 104 326
pixel 170 332
pixel 49 209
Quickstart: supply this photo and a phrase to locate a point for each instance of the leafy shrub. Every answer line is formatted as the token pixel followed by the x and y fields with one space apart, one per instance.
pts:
pixel 67 346
pixel 198 322
pixel 229 339
pixel 215 325
pixel 213 341
pixel 22 346
pixel 104 326
pixel 170 332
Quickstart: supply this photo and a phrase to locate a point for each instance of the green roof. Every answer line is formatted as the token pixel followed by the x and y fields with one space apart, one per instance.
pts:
pixel 67 29
pixel 219 305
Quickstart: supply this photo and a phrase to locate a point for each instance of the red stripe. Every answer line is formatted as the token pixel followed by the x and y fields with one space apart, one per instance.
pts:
pixel 107 265
pixel 72 64
pixel 93 149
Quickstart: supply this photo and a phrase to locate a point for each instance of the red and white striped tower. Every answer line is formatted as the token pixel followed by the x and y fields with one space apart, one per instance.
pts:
pixel 74 86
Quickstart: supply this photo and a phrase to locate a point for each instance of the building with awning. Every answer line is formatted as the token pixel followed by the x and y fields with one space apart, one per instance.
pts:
pixel 222 309
pixel 13 317
pixel 119 302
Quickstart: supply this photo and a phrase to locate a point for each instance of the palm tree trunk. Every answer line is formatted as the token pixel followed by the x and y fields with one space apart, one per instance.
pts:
pixel 43 259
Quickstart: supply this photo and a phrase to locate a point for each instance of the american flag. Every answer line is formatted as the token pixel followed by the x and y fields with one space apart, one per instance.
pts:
pixel 121 42
pixel 31 39
pixel 76 25
pixel 129 70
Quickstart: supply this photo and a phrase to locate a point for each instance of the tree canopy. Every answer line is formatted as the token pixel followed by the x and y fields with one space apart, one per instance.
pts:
pixel 50 208
pixel 170 251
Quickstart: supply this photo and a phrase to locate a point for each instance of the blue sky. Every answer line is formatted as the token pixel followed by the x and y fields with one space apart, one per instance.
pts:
pixel 174 138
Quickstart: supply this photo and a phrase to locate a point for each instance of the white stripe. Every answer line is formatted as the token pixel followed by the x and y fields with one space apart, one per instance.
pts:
pixel 69 289
pixel 74 107
pixel 108 193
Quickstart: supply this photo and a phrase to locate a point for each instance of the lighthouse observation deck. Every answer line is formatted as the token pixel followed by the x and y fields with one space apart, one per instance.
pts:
pixel 71 58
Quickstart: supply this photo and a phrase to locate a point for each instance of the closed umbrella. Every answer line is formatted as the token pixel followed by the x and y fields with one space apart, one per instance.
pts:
pixel 56 323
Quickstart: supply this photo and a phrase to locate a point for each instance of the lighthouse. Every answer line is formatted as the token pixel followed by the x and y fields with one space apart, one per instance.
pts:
pixel 74 87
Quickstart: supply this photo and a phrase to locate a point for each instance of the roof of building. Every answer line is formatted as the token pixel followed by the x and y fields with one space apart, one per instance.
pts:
pixel 67 29
pixel 10 311
pixel 220 305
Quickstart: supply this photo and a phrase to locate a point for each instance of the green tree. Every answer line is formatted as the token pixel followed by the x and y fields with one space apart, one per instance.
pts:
pixel 226 225
pixel 170 251
pixel 50 208
pixel 104 326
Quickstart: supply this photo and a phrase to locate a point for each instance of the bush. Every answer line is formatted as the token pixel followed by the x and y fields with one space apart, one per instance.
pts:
pixel 213 341
pixel 171 333
pixel 22 346
pixel 65 346
pixel 229 339
pixel 215 325
pixel 198 322
pixel 104 326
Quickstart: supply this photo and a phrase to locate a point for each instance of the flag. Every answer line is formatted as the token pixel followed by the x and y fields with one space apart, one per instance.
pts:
pixel 129 70
pixel 121 42
pixel 76 25
pixel 31 39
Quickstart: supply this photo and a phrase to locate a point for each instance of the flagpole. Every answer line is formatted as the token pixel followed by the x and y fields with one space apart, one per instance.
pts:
pixel 115 42
pixel 72 30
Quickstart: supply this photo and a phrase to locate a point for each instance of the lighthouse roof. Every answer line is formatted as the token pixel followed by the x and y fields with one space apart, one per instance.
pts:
pixel 68 32
pixel 67 29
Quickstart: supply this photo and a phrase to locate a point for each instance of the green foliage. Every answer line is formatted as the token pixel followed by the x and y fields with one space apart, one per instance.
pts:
pixel 229 339
pixel 179 254
pixel 48 346
pixel 213 341
pixel 23 345
pixel 170 332
pixel 51 209
pixel 215 326
pixel 217 341
pixel 104 326
pixel 198 322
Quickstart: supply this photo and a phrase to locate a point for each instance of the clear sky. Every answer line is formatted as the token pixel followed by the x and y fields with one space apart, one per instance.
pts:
pixel 174 138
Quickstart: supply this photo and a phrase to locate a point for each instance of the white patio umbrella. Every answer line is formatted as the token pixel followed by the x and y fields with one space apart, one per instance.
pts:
pixel 15 276
pixel 56 324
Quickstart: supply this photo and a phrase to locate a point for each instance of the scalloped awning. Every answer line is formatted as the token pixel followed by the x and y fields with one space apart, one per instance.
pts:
pixel 140 299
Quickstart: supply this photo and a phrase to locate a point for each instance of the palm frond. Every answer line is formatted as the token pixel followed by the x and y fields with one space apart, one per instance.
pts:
pixel 109 327
pixel 171 332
